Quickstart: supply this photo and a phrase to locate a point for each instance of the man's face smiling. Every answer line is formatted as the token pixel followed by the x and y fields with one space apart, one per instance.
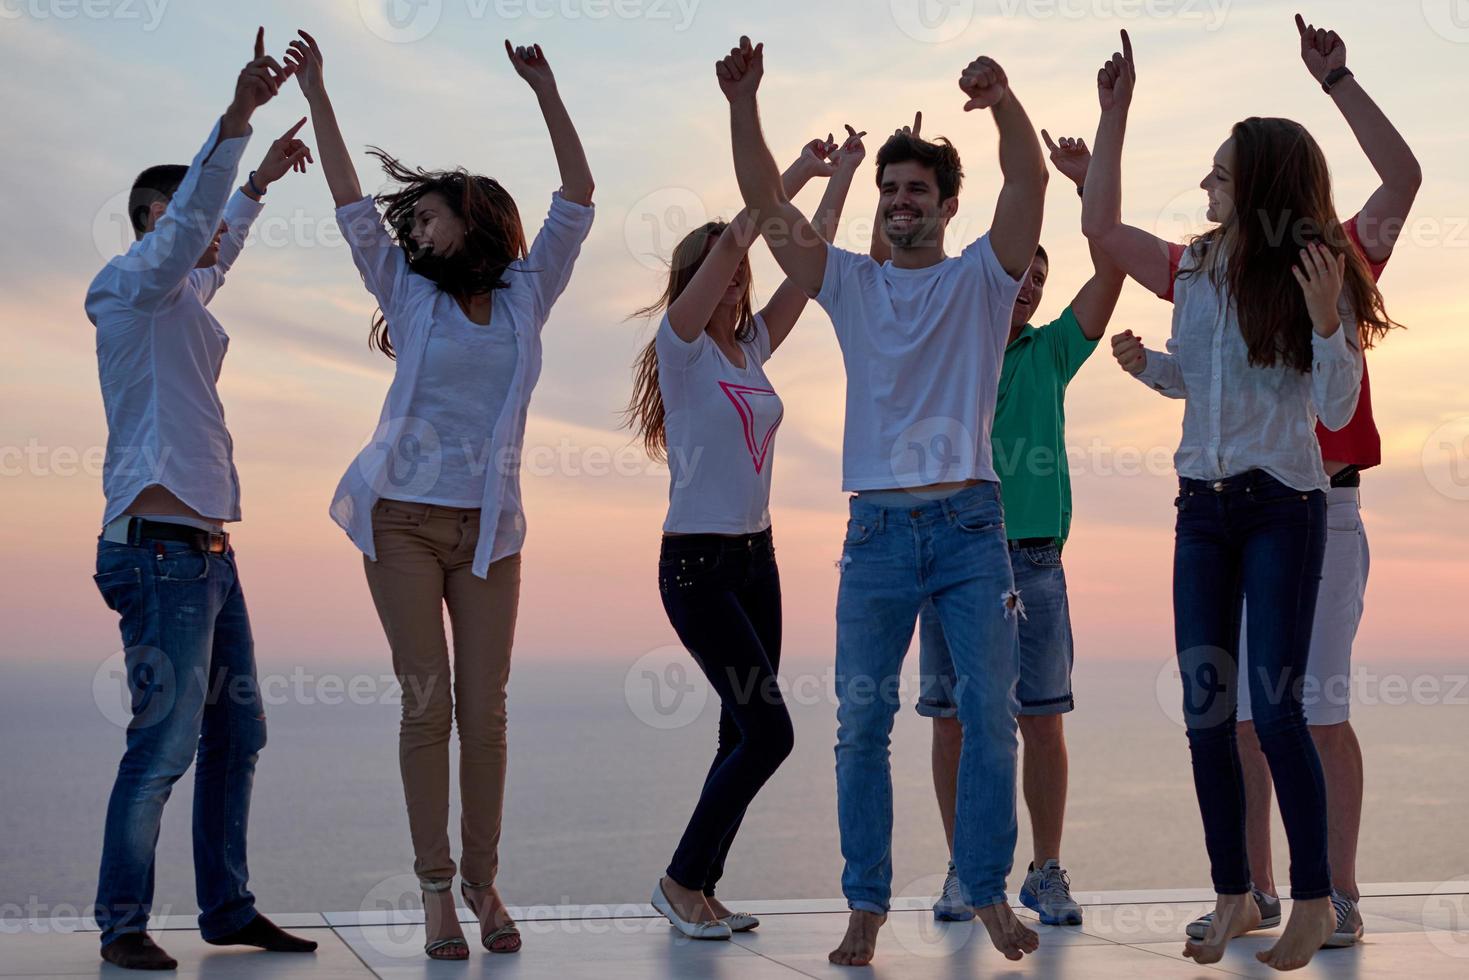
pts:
pixel 913 216
pixel 1031 290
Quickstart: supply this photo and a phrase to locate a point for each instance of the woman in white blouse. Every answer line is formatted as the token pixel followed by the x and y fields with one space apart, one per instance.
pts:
pixel 1272 309
pixel 433 501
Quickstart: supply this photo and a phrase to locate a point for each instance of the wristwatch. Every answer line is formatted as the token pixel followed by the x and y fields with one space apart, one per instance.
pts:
pixel 1334 76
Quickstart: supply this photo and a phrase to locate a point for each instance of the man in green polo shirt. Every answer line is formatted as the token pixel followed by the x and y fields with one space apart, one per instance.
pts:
pixel 1029 442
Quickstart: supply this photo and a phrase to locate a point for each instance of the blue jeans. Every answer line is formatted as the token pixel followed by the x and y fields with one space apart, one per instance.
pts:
pixel 191 676
pixel 1251 538
pixel 952 553
pixel 722 595
pixel 1046 649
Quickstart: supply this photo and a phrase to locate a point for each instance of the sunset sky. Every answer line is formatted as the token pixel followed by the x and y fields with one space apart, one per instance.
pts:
pixel 91 100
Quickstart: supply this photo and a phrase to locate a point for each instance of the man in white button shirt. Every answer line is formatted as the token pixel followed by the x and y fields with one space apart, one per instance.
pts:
pixel 164 564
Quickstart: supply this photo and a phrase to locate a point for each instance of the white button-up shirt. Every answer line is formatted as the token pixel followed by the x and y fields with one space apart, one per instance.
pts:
pixel 404 454
pixel 1239 417
pixel 159 350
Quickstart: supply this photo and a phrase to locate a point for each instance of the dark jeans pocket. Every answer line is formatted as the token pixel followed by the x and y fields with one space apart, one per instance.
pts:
pixel 858 532
pixel 119 587
pixel 182 566
pixel 1048 556
pixel 684 570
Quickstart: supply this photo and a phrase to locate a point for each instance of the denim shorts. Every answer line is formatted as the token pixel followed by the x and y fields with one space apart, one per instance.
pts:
pixel 1046 652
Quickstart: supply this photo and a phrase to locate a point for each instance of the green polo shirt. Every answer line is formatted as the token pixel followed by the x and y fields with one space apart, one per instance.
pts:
pixel 1029 435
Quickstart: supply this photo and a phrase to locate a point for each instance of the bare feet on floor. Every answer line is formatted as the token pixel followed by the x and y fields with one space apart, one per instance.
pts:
pixel 860 943
pixel 1311 923
pixel 1010 936
pixel 1234 915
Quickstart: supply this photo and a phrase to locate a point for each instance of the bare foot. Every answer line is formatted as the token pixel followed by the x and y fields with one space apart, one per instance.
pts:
pixel 860 943
pixel 690 905
pixel 721 911
pixel 1311 923
pixel 1234 915
pixel 1010 936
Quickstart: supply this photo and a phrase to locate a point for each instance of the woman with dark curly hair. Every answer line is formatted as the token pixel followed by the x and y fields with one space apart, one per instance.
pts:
pixel 433 501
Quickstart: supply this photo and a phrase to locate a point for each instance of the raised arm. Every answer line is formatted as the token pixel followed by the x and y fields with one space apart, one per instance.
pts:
pixel 1016 229
pixel 571 160
pixel 1094 303
pixel 184 228
pixel 1381 218
pixel 689 314
pixel 1141 255
pixel 336 162
pixel 799 251
pixel 789 300
pixel 286 153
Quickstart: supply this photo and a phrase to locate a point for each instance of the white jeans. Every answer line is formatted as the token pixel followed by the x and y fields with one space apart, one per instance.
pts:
pixel 1326 694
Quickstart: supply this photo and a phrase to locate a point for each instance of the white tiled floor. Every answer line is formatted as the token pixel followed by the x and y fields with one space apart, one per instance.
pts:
pixel 1127 934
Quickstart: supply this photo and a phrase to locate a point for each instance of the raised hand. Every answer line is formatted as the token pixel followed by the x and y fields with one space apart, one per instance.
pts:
pixel 259 81
pixel 984 82
pixel 851 152
pixel 740 71
pixel 286 154
pixel 813 161
pixel 531 64
pixel 1070 156
pixel 1115 79
pixel 303 58
pixel 913 129
pixel 1127 347
pixel 1322 50
pixel 1320 274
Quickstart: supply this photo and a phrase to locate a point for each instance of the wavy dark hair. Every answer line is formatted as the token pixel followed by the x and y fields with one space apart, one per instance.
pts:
pixel 644 412
pixel 939 156
pixel 1282 201
pixel 493 234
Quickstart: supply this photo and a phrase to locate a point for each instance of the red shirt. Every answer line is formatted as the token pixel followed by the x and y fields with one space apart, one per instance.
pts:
pixel 1358 442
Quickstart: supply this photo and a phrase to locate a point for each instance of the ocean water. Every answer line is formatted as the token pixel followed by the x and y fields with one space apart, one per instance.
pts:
pixel 606 760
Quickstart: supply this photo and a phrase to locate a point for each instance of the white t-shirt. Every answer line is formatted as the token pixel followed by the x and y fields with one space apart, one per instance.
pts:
pixel 720 421
pixel 923 350
pixel 462 385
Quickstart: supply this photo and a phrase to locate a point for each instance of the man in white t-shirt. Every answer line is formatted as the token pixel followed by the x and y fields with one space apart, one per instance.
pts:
pixel 923 338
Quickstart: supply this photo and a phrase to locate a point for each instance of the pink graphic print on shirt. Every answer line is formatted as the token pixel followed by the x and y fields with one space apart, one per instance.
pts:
pixel 739 396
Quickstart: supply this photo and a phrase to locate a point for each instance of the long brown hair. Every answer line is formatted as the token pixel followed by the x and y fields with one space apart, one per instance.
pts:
pixel 1282 201
pixel 644 412
pixel 493 234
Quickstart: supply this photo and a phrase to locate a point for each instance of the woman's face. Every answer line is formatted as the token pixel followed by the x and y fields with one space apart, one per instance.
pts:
pixel 436 229
pixel 737 284
pixel 1218 183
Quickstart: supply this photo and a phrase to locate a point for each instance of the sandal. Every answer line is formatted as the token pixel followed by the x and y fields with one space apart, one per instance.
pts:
pixel 503 939
pixel 452 947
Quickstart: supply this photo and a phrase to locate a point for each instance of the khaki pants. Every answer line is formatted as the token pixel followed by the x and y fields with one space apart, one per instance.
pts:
pixel 424 553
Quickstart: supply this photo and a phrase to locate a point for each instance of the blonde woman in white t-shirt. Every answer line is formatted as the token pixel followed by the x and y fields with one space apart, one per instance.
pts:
pixel 433 501
pixel 701 401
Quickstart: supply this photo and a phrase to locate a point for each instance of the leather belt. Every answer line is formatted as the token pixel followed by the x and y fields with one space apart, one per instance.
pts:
pixel 135 530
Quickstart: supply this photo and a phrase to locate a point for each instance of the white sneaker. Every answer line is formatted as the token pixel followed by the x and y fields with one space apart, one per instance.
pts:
pixel 712 929
pixel 951 906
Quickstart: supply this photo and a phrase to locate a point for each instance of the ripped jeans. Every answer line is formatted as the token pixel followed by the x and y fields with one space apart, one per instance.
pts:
pixel 952 553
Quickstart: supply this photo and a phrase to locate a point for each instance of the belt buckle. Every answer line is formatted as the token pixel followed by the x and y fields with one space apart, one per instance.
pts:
pixel 216 542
